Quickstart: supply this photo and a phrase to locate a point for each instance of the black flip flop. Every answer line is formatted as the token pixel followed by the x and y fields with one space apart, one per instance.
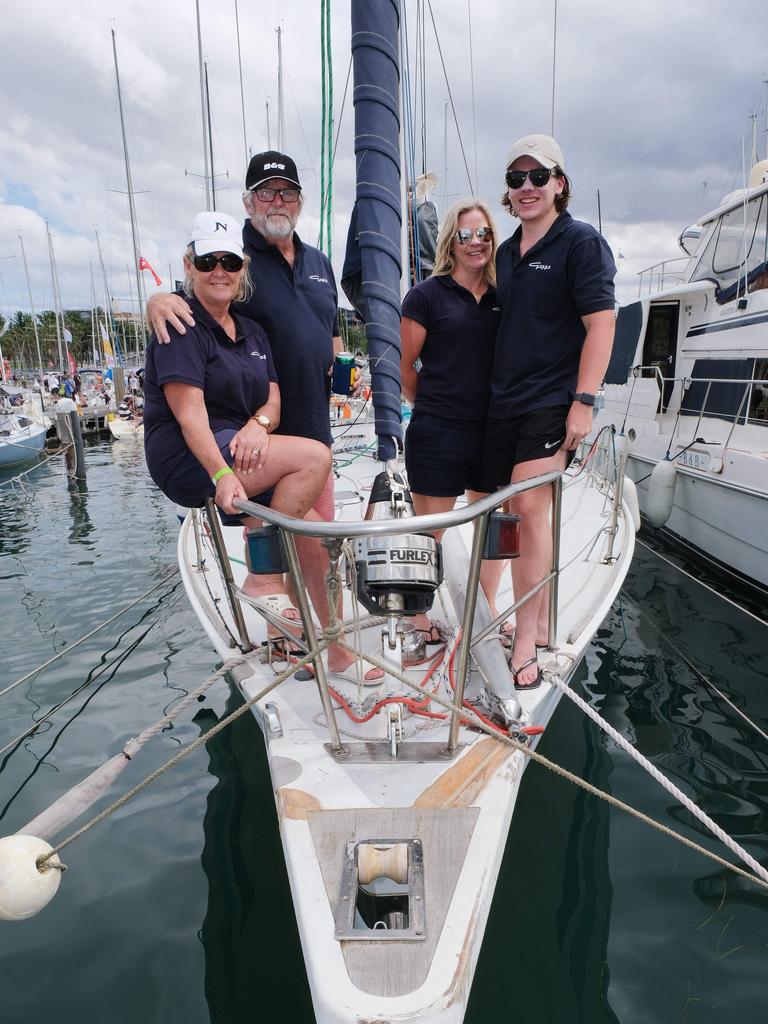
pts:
pixel 526 686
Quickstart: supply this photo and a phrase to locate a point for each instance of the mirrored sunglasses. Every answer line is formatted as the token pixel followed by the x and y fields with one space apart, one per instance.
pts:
pixel 267 194
pixel 464 235
pixel 229 261
pixel 538 177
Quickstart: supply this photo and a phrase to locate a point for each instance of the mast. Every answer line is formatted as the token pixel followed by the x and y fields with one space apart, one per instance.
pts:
pixel 242 92
pixel 202 107
pixel 210 137
pixel 135 323
pixel 375 51
pixel 56 298
pixel 109 326
pixel 280 97
pixel 554 66
pixel 753 157
pixel 31 306
pixel 131 207
pixel 95 347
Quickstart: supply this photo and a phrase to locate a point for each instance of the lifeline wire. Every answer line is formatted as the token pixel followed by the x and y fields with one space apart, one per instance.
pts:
pixel 701 583
pixel 71 647
pixel 466 713
pixel 186 751
pixel 14 479
pixel 761 879
pixel 697 672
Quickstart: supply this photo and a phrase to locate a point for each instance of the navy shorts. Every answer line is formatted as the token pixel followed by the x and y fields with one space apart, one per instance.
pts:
pixel 510 441
pixel 189 484
pixel 442 456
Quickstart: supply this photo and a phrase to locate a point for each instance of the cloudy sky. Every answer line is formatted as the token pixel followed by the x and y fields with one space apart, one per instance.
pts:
pixel 654 107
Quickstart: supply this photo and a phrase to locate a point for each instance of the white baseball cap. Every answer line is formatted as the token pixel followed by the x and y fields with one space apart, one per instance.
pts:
pixel 541 147
pixel 216 232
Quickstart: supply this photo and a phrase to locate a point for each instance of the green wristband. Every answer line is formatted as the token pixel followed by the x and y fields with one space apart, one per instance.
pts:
pixel 222 472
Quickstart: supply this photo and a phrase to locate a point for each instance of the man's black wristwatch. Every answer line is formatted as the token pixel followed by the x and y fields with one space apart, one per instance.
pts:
pixel 585 398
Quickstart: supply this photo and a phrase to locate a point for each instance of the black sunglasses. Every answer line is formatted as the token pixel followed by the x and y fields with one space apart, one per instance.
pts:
pixel 464 235
pixel 538 177
pixel 229 261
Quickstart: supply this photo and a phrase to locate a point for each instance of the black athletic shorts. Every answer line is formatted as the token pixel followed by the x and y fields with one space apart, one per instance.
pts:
pixel 442 456
pixel 510 441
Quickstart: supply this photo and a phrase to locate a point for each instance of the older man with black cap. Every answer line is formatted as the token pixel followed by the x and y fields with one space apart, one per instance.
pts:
pixel 555 289
pixel 296 302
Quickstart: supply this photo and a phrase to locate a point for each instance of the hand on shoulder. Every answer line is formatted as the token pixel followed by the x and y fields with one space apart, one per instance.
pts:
pixel 165 309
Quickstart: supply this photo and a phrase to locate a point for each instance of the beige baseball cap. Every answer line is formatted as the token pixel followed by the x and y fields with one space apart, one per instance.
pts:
pixel 541 147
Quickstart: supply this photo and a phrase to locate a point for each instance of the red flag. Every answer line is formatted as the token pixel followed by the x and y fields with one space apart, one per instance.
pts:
pixel 72 363
pixel 144 265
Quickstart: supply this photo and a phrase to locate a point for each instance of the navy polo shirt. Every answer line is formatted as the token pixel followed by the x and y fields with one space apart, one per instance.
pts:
pixel 298 308
pixel 543 296
pixel 457 357
pixel 233 375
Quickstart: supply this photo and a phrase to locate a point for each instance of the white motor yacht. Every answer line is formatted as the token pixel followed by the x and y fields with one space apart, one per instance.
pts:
pixel 687 387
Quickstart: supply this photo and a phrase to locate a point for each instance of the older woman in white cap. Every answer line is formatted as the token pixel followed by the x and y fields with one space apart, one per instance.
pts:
pixel 212 400
pixel 554 282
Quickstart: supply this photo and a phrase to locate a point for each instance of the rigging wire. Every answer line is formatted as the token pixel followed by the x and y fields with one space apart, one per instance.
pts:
pixel 76 643
pixel 341 112
pixel 554 65
pixel 412 220
pixel 324 197
pixel 450 98
pixel 472 82
pixel 329 126
pixel 421 71
pixel 712 590
pixel 699 674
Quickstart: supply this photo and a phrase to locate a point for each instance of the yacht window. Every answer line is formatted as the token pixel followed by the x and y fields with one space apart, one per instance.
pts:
pixel 758 403
pixel 723 259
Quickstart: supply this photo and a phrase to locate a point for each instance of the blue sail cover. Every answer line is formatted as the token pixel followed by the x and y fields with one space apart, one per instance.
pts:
pixel 375 53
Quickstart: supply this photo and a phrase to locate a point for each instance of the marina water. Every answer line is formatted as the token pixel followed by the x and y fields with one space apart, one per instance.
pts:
pixel 177 908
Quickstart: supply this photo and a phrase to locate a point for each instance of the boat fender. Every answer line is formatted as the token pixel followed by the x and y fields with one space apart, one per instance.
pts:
pixel 25 888
pixel 661 492
pixel 632 502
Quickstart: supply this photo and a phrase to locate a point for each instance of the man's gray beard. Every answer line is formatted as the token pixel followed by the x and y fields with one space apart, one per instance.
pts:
pixel 280 226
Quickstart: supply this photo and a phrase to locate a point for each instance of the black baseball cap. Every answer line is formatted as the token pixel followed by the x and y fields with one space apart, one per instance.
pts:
pixel 271 164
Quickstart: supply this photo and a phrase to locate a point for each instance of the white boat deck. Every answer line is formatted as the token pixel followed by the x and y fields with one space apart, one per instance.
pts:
pixel 458 807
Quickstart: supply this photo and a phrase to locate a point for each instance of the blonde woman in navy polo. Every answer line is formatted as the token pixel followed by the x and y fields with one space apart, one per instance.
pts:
pixel 211 402
pixel 449 323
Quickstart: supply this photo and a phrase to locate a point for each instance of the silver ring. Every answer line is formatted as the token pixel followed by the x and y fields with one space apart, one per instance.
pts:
pixel 255 451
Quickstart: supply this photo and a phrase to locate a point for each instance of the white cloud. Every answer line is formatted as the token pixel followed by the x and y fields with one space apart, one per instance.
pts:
pixel 651 102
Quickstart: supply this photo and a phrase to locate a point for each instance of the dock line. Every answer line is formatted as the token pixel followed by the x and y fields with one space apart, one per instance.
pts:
pixel 701 583
pixel 71 647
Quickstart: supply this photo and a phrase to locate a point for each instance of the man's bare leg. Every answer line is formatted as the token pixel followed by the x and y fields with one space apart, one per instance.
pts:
pixel 315 564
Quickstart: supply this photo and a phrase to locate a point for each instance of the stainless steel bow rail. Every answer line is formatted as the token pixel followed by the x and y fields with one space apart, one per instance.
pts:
pixel 335 534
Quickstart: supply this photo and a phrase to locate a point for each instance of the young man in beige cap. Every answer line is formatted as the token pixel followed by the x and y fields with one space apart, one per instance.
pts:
pixel 555 288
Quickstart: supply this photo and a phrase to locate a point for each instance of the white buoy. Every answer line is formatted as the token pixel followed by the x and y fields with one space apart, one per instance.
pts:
pixel 24 888
pixel 661 492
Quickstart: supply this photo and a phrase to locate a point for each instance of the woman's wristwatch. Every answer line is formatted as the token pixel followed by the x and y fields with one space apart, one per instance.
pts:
pixel 263 420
